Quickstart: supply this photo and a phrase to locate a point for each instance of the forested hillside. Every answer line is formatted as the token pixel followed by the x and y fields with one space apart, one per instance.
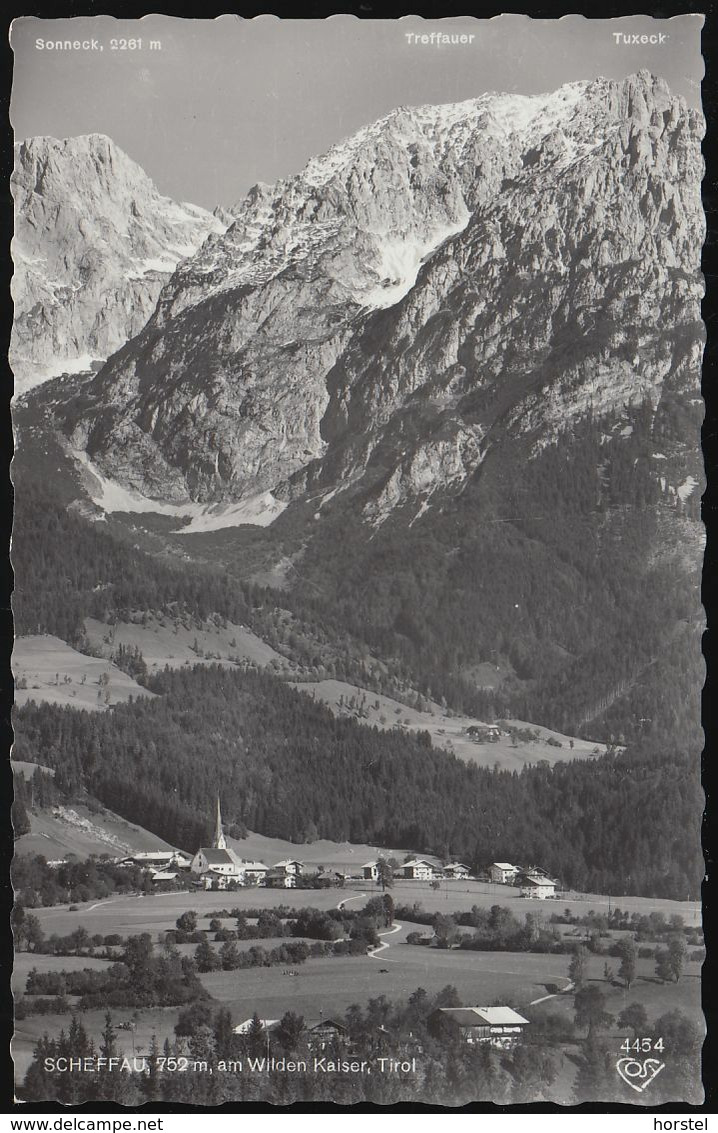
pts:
pixel 285 766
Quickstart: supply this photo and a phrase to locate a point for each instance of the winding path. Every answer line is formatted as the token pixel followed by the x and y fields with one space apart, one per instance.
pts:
pixel 396 927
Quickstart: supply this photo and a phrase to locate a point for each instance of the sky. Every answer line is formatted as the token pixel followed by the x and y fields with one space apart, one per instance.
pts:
pixel 225 103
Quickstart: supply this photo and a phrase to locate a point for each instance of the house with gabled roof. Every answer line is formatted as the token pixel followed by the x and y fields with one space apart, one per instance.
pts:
pixel 455 869
pixel 418 869
pixel 500 1026
pixel 536 885
pixel 503 873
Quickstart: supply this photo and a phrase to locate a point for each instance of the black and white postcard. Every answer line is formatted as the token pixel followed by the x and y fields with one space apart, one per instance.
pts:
pixel 357 552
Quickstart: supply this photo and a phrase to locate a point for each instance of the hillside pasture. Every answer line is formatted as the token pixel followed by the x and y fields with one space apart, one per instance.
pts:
pixel 49 671
pixel 163 640
pixel 447 731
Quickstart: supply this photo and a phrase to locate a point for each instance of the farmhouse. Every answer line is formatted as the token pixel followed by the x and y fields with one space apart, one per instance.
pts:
pixel 280 879
pixel 255 872
pixel 327 1032
pixel 290 866
pixel 503 872
pixel 370 871
pixel 456 869
pixel 536 885
pixel 500 1026
pixel 418 870
pixel 484 733
pixel 163 875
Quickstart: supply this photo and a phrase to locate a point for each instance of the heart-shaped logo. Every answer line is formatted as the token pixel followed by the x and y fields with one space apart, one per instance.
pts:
pixel 639 1075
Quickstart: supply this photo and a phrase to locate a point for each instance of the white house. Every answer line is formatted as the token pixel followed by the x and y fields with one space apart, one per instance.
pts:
pixel 537 885
pixel 503 872
pixel 255 872
pixel 418 869
pixel 370 871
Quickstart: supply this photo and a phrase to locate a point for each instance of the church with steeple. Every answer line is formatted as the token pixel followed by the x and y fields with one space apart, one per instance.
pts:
pixel 217 866
pixel 220 842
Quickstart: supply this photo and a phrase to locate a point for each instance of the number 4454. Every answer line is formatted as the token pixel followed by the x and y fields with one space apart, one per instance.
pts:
pixel 644 1045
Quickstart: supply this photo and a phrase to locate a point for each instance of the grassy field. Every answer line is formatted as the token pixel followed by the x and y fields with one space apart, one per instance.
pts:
pixel 459 896
pixel 155 914
pixel 446 731
pixel 329 985
pixel 24 962
pixel 166 641
pixel 55 673
pixel 131 914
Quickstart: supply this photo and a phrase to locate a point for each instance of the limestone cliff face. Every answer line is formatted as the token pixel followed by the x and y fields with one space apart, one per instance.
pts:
pixel 446 277
pixel 94 243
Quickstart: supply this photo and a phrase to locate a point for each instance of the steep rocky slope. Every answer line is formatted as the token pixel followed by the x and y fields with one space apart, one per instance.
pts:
pixel 94 243
pixel 225 391
pixel 500 265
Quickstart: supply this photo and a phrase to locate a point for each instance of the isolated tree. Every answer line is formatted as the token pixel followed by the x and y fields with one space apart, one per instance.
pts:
pixel 628 953
pixel 676 956
pixel 187 922
pixel 108 1046
pixel 229 956
pixel 577 967
pixel 635 1018
pixel 384 874
pixel 590 1009
pixel 205 957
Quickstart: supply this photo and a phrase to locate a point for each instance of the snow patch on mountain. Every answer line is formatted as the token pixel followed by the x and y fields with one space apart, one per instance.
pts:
pixel 258 511
pixel 399 265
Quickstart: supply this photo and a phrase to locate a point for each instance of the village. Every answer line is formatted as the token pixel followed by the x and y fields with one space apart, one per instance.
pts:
pixel 219 867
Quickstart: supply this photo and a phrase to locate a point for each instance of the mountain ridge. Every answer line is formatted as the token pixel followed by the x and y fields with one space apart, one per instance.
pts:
pixel 94 242
pixel 241 380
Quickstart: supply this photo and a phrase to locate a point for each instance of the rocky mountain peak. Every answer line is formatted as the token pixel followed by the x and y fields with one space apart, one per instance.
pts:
pixel 94 242
pixel 446 274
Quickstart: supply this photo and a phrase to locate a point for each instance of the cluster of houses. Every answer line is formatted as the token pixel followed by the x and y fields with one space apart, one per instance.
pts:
pixel 219 867
pixel 533 881
pixel 500 1027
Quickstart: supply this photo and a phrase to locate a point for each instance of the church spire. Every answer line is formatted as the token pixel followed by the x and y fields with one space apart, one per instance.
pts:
pixel 219 842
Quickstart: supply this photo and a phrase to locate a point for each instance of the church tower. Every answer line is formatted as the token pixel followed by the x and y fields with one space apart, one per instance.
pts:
pixel 219 842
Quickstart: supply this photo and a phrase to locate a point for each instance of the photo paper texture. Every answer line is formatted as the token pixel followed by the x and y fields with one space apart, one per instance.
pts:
pixel 357 554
